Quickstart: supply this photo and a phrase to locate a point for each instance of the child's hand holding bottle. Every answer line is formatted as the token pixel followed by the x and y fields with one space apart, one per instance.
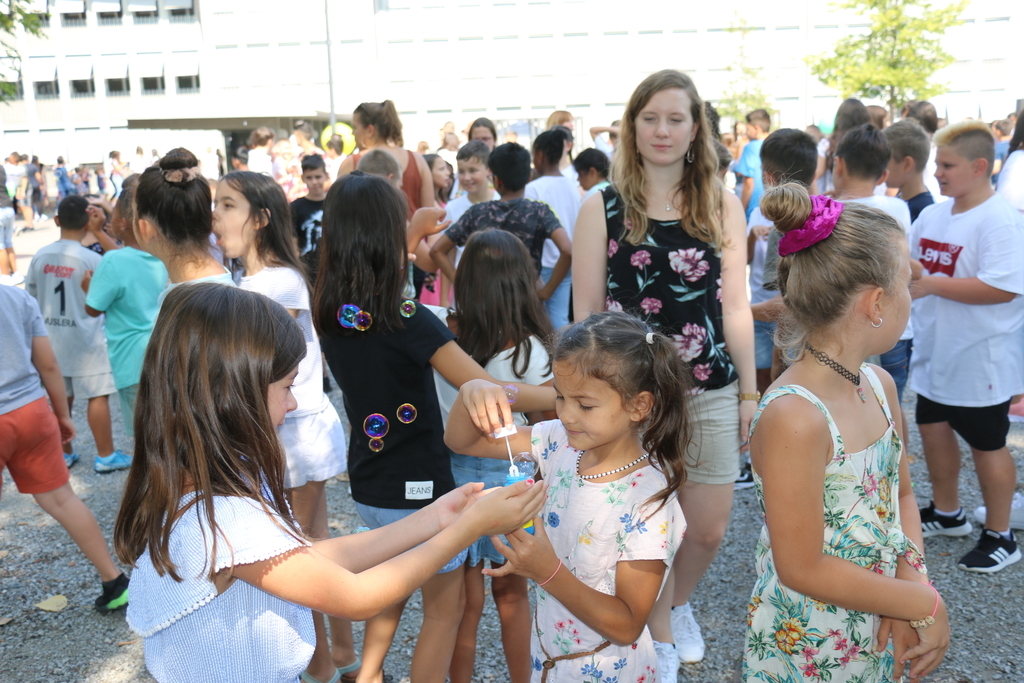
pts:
pixel 488 405
pixel 529 555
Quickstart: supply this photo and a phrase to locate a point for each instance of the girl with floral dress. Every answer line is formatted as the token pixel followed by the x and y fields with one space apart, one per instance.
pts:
pixel 611 525
pixel 839 565
pixel 666 242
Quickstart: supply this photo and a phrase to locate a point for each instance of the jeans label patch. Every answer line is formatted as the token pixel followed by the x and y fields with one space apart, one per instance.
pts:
pixel 419 490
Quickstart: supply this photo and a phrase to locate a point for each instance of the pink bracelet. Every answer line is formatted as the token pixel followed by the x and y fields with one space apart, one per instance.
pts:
pixel 927 621
pixel 556 571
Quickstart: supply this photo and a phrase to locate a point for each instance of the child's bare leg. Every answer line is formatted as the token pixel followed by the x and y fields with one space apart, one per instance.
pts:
pixel 67 508
pixel 380 631
pixel 942 453
pixel 998 478
pixel 464 655
pixel 98 414
pixel 309 505
pixel 512 598
pixel 69 446
pixel 7 261
pixel 444 600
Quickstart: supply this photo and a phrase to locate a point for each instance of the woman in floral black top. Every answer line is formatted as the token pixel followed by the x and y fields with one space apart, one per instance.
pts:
pixel 667 243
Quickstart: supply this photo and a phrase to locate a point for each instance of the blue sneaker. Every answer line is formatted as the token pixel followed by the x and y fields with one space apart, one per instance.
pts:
pixel 70 459
pixel 117 460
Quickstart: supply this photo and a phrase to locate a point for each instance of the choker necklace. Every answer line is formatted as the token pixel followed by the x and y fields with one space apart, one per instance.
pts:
pixel 828 362
pixel 605 474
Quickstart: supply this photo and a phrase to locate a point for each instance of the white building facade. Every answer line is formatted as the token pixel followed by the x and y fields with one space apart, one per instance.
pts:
pixel 117 74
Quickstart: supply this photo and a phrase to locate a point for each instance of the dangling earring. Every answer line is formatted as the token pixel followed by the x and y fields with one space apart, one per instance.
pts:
pixel 880 321
pixel 689 155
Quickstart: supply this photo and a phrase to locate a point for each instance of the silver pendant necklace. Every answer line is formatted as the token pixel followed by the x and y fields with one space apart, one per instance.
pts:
pixel 605 474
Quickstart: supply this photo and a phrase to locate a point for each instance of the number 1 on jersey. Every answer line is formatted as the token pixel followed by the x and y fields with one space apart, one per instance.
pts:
pixel 59 289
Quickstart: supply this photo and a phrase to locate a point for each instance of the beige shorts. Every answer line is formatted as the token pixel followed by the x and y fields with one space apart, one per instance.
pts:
pixel 713 456
pixel 90 386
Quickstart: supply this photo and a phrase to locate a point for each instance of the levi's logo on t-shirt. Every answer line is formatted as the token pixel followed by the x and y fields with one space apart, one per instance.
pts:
pixel 939 257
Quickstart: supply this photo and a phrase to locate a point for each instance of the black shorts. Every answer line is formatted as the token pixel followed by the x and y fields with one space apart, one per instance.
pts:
pixel 984 429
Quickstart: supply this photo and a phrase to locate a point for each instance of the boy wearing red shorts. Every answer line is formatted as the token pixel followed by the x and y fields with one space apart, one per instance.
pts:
pixel 31 435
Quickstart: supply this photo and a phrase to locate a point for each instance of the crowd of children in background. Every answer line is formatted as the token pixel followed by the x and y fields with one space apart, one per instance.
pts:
pixel 586 311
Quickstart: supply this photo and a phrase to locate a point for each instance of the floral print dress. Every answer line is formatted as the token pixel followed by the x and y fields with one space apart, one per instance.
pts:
pixel 794 638
pixel 592 526
pixel 673 282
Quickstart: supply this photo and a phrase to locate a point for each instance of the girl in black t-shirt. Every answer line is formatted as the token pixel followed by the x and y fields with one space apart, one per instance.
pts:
pixel 382 350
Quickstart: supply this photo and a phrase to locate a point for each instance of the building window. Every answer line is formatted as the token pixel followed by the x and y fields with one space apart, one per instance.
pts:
pixel 153 85
pixel 110 18
pixel 13 89
pixel 188 85
pixel 182 16
pixel 47 90
pixel 83 88
pixel 145 17
pixel 118 87
pixel 44 20
pixel 75 20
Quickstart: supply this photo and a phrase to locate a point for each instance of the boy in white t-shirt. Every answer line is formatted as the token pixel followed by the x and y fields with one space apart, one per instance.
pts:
pixel 563 196
pixel 861 165
pixel 55 280
pixel 474 178
pixel 968 359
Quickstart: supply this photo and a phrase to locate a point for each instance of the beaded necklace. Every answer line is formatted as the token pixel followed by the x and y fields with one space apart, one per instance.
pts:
pixel 605 474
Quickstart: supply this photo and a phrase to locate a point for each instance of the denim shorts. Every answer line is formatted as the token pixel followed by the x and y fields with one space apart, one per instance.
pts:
pixel 375 518
pixel 764 344
pixel 466 468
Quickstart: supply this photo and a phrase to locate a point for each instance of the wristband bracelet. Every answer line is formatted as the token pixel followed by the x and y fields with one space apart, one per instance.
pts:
pixel 556 571
pixel 928 620
pixel 756 396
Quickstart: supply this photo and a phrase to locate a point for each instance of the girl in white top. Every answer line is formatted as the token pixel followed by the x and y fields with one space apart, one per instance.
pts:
pixel 501 324
pixel 611 523
pixel 205 505
pixel 252 222
pixel 1011 177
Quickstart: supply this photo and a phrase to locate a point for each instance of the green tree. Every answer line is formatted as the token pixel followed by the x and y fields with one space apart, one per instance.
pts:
pixel 744 93
pixel 13 13
pixel 896 59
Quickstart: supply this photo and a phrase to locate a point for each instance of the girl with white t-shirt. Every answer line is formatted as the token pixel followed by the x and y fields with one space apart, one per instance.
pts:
pixel 225 579
pixel 501 324
pixel 252 223
pixel 613 461
pixel 1011 177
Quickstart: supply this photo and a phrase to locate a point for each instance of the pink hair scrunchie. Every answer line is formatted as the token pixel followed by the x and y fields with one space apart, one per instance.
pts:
pixel 819 225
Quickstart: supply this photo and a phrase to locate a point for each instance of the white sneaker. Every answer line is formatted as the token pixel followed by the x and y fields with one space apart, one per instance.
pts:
pixel 668 663
pixel 17 278
pixel 6 280
pixel 1016 512
pixel 689 642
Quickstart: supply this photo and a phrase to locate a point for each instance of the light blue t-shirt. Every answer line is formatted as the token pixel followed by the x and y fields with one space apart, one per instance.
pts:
pixel 750 166
pixel 21 322
pixel 127 286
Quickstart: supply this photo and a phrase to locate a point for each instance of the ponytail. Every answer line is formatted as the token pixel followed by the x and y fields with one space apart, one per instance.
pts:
pixel 384 118
pixel 624 352
pixel 175 197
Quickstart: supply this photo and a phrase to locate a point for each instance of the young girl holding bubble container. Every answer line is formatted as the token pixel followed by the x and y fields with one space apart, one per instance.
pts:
pixel 224 579
pixel 613 461
pixel 383 350
pixel 501 323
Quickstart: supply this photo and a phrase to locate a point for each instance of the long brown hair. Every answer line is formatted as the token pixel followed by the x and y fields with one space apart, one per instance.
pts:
pixel 496 302
pixel 614 348
pixel 384 118
pixel 201 417
pixel 363 254
pixel 701 210
pixel 275 241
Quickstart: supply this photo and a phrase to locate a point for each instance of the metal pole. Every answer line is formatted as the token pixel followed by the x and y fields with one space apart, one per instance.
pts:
pixel 330 65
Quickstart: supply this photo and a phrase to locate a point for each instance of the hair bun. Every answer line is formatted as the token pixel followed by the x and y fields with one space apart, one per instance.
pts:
pixel 787 206
pixel 178 158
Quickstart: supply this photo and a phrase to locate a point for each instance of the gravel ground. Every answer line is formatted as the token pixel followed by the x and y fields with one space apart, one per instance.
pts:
pixel 38 560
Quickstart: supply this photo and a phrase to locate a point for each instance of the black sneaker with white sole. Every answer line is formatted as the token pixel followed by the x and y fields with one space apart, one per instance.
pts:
pixel 745 480
pixel 993 553
pixel 933 524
